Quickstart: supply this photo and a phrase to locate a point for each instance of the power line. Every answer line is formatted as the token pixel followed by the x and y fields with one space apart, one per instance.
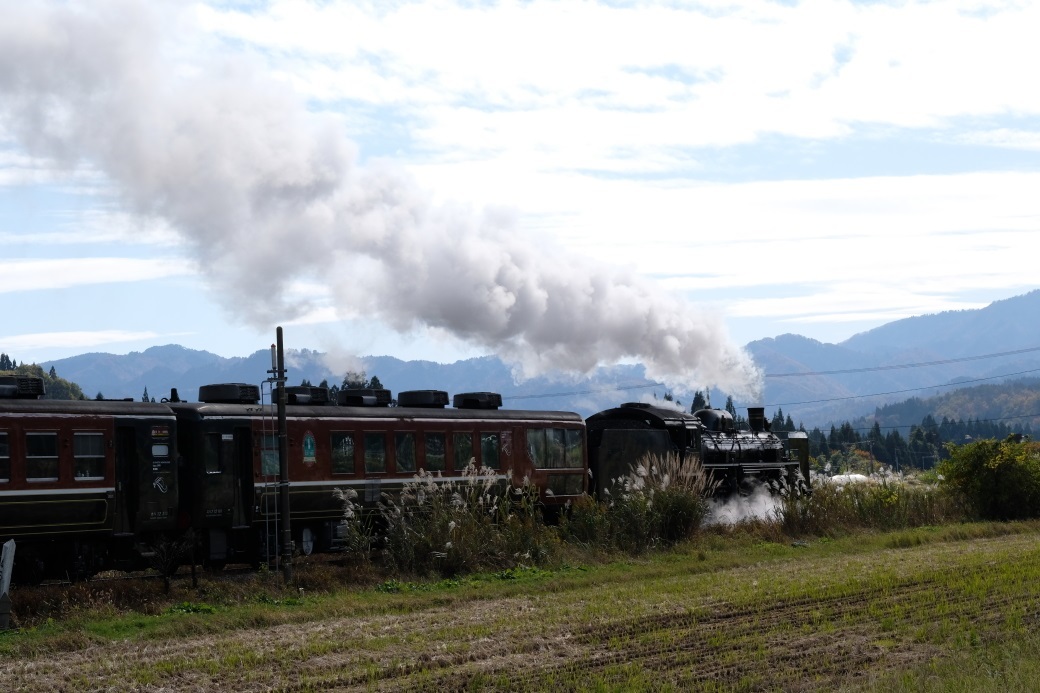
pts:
pixel 939 424
pixel 959 383
pixel 602 390
pixel 905 365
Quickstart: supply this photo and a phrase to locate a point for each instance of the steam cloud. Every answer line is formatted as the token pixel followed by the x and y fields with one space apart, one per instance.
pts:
pixel 267 193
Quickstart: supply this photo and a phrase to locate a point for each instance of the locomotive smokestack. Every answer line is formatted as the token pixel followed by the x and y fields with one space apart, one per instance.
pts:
pixel 757 419
pixel 174 397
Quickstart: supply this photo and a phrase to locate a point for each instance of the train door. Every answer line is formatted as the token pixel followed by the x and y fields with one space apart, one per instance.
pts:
pixel 242 467
pixel 127 496
pixel 227 470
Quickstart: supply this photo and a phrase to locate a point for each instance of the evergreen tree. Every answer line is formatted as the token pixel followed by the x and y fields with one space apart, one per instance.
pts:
pixel 53 373
pixel 699 402
pixel 144 397
pixel 730 407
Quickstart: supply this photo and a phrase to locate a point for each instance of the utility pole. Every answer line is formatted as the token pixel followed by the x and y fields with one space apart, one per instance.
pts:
pixel 283 464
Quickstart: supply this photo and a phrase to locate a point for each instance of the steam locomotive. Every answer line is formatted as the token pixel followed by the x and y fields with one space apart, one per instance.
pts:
pixel 735 459
pixel 94 485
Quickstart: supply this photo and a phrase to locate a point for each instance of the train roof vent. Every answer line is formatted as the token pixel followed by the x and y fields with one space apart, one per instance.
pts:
pixel 230 393
pixel 433 399
pixel 637 405
pixel 363 397
pixel 477 400
pixel 306 394
pixel 21 387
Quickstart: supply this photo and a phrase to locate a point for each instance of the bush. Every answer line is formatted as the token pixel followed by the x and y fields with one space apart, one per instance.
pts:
pixel 999 480
pixel 883 503
pixel 661 501
pixel 455 527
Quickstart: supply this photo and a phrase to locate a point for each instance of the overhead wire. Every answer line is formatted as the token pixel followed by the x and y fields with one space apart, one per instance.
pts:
pixel 942 362
pixel 959 383
pixel 869 369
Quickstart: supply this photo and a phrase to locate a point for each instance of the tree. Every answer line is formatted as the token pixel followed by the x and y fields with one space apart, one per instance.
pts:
pixel 99 396
pixel 730 407
pixel 359 381
pixel 999 479
pixel 144 397
pixel 53 373
pixel 699 402
pixel 5 363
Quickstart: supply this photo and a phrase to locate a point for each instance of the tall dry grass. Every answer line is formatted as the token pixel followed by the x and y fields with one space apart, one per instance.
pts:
pixel 882 503
pixel 660 501
pixel 450 527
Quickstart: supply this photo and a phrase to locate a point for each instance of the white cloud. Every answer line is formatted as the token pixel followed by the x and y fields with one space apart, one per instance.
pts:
pixel 66 273
pixel 605 129
pixel 554 79
pixel 78 340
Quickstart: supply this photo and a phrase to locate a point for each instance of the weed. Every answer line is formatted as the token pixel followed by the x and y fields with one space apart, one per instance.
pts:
pixel 191 608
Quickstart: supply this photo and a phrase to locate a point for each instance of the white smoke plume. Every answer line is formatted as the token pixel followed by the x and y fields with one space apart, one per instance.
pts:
pixel 760 504
pixel 267 193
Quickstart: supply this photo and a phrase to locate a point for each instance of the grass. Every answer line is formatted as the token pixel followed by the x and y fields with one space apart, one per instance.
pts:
pixel 948 607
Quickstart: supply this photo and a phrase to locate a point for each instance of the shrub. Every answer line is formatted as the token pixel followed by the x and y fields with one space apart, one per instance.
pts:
pixel 999 480
pixel 883 503
pixel 356 528
pixel 453 527
pixel 660 501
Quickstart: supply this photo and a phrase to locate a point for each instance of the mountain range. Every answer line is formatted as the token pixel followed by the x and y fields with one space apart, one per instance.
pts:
pixel 814 383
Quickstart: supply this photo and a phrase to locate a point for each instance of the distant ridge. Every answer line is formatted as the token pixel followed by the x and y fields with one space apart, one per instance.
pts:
pixel 1000 327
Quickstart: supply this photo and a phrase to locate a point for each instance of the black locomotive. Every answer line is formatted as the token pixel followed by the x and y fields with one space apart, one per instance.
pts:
pixel 735 458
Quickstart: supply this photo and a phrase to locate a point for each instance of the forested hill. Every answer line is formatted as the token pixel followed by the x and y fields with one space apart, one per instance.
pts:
pixel 821 383
pixel 1016 404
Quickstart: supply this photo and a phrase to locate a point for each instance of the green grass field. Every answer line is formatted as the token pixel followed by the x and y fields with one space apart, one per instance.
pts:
pixel 952 608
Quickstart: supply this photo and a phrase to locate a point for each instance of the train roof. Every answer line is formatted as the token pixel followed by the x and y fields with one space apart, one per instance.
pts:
pixel 88 407
pixel 645 413
pixel 305 411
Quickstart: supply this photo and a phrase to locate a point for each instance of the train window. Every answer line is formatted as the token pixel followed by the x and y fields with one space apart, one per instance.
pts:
pixel 342 452
pixel 572 450
pixel 405 449
pixel 217 447
pixel 463 450
pixel 566 484
pixel 41 458
pixel 435 451
pixel 554 448
pixel 5 458
pixel 269 463
pixel 375 453
pixel 88 452
pixel 536 446
pixel 489 450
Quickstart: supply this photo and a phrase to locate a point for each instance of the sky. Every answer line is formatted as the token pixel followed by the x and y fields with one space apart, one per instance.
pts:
pixel 562 184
